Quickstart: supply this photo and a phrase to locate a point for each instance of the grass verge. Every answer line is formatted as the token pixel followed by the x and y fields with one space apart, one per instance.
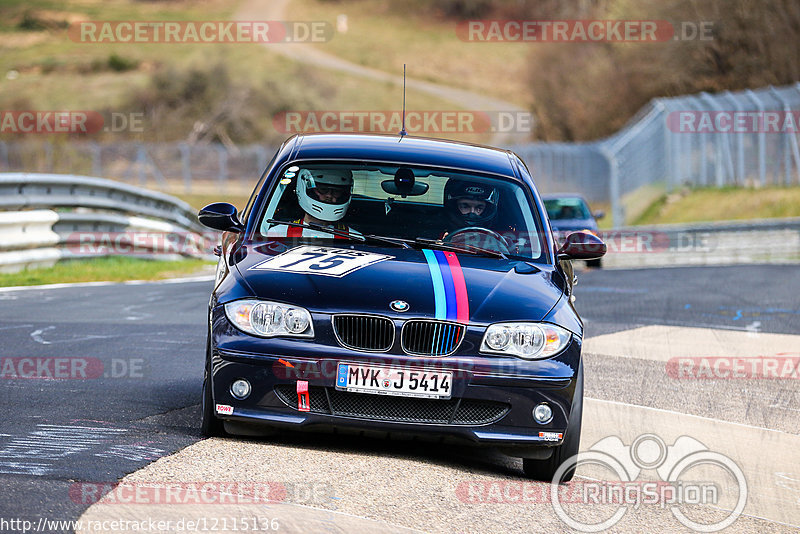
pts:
pixel 111 269
pixel 724 204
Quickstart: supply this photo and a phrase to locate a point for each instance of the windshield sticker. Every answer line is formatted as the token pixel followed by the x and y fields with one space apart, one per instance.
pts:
pixel 323 261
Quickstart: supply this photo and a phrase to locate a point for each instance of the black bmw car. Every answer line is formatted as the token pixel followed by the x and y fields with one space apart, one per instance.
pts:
pixel 402 286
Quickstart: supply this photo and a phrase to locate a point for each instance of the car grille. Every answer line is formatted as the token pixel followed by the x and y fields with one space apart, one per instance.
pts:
pixel 364 332
pixel 400 409
pixel 431 338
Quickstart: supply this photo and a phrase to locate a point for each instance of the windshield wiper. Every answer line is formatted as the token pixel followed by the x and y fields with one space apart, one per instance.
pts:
pixel 396 241
pixel 391 240
pixel 469 249
pixel 341 233
pixel 319 228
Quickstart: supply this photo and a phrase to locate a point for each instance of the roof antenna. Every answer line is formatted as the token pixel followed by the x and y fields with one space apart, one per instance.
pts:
pixel 403 132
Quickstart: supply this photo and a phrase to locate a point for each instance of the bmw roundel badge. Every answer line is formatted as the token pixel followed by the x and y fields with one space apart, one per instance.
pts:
pixel 399 305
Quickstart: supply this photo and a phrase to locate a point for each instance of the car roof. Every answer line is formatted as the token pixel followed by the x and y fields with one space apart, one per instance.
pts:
pixel 411 150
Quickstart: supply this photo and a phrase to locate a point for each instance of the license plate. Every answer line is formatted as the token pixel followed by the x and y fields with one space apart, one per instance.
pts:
pixel 394 381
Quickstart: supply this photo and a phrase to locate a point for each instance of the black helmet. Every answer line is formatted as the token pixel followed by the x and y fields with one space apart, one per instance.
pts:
pixel 457 189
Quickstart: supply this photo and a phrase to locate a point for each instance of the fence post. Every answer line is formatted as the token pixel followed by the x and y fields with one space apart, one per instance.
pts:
pixel 186 167
pixel 739 177
pixel 669 148
pixel 48 156
pixel 97 159
pixel 141 161
pixel 222 159
pixel 789 144
pixel 617 216
pixel 762 151
pixel 4 156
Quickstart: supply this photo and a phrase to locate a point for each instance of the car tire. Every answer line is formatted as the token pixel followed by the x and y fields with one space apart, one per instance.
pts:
pixel 597 264
pixel 544 470
pixel 210 426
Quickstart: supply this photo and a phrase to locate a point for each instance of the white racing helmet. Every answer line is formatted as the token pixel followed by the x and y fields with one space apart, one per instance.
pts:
pixel 325 193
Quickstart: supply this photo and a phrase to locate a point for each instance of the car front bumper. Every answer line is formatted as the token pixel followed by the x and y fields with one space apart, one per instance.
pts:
pixel 492 399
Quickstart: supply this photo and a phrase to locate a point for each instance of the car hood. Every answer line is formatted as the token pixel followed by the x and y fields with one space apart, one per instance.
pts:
pixel 462 288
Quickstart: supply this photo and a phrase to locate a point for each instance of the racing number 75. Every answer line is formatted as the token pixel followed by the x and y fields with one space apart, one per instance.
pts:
pixel 327 263
pixel 330 263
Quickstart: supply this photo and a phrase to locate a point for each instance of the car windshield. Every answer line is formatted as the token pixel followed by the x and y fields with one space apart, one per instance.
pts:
pixel 415 206
pixel 567 208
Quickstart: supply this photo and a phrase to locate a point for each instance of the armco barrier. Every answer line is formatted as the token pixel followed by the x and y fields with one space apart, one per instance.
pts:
pixel 95 217
pixel 721 243
pixel 31 190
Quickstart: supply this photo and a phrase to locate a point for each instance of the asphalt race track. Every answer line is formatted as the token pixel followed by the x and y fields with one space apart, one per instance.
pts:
pixel 126 362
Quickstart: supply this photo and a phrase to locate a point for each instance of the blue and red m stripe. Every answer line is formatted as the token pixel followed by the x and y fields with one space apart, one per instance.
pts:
pixel 449 287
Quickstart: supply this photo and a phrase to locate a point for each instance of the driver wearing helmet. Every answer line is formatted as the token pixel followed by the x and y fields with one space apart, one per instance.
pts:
pixel 324 196
pixel 469 204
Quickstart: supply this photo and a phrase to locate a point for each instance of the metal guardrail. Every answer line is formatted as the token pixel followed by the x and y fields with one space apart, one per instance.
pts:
pixel 721 243
pixel 31 190
pixel 95 217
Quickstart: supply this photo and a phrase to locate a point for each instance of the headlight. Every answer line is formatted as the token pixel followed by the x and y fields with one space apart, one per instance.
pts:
pixel 268 319
pixel 525 340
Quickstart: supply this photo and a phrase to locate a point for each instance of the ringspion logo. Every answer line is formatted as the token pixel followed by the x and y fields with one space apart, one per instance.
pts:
pixel 683 475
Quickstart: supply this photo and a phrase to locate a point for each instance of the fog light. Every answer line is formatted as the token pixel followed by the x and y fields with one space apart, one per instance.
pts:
pixel 543 413
pixel 240 389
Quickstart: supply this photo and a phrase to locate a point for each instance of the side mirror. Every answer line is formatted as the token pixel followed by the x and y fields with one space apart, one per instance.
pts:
pixel 599 214
pixel 221 216
pixel 582 246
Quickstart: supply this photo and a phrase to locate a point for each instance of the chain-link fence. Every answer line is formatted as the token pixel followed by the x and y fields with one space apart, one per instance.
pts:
pixel 162 165
pixel 748 138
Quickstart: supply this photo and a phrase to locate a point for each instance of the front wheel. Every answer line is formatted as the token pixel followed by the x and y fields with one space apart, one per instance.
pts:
pixel 545 469
pixel 211 426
